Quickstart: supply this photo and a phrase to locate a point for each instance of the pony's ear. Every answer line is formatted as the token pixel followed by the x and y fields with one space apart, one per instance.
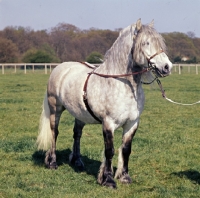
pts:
pixel 152 23
pixel 138 24
pixel 138 27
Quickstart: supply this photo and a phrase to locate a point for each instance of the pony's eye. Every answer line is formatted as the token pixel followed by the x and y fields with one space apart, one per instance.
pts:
pixel 147 43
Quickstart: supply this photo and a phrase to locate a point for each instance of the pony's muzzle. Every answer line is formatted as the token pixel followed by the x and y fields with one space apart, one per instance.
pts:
pixel 165 71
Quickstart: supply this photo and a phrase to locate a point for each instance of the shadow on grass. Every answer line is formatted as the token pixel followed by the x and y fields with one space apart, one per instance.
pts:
pixel 91 166
pixel 192 175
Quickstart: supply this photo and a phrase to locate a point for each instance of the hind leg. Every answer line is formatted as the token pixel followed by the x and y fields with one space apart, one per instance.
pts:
pixel 124 153
pixel 75 156
pixel 56 110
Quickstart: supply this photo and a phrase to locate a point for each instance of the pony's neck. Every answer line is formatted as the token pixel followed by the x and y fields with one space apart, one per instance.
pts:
pixel 117 60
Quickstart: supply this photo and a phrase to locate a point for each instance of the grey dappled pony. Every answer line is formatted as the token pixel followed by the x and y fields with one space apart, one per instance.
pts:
pixel 110 94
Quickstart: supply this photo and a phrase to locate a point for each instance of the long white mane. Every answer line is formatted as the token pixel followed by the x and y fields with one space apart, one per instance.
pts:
pixel 119 57
pixel 116 58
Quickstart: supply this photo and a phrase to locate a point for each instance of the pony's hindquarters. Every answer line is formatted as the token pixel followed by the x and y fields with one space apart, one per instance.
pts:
pixel 45 138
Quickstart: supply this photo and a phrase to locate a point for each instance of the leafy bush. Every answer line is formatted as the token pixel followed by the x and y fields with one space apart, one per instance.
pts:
pixel 95 57
pixel 37 56
pixel 44 55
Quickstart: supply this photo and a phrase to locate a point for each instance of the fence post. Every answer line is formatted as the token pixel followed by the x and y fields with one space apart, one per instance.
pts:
pixel 179 69
pixel 33 68
pixel 2 68
pixel 15 68
pixel 196 69
pixel 25 68
pixel 45 68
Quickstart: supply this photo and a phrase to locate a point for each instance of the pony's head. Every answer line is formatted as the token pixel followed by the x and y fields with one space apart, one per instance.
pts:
pixel 149 50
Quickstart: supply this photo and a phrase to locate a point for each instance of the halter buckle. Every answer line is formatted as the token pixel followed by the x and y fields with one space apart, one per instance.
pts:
pixel 84 95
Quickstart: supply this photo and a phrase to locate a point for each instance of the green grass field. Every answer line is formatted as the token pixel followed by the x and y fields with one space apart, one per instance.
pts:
pixel 165 151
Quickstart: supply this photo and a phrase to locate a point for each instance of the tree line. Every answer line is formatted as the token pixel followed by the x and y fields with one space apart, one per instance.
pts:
pixel 66 42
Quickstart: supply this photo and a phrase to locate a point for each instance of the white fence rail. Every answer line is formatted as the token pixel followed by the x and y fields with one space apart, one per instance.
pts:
pixel 177 68
pixel 24 66
pixel 186 68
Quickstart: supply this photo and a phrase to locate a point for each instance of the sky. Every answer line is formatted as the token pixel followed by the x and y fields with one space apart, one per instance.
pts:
pixel 168 15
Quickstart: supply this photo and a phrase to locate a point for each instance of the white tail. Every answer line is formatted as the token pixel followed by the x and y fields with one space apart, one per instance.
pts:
pixel 45 137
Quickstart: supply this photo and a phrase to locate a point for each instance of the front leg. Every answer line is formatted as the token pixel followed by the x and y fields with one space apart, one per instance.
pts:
pixel 105 176
pixel 124 153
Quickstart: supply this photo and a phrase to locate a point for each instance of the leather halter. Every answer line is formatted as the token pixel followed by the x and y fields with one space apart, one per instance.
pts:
pixel 152 67
pixel 85 99
pixel 157 53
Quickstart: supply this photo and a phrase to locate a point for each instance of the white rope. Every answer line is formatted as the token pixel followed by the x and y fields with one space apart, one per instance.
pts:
pixel 164 96
pixel 178 103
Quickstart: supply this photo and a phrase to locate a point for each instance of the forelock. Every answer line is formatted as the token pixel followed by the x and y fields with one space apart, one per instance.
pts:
pixel 149 32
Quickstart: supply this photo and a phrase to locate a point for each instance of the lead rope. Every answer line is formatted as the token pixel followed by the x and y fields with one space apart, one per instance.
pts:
pixel 164 96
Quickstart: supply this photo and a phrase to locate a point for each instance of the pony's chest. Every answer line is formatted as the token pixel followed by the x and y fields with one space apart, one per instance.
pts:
pixel 124 106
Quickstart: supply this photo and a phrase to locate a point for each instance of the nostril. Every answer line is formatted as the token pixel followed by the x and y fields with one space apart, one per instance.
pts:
pixel 166 67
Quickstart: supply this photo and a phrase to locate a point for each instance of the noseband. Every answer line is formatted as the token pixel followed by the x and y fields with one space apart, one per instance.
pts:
pixel 152 67
pixel 157 53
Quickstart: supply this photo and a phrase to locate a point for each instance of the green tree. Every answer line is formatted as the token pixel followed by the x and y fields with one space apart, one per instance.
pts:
pixel 39 56
pixel 181 45
pixel 8 51
pixel 177 59
pixel 36 56
pixel 94 57
pixel 49 50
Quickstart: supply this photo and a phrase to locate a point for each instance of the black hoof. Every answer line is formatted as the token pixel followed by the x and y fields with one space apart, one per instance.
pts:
pixel 109 182
pixel 77 163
